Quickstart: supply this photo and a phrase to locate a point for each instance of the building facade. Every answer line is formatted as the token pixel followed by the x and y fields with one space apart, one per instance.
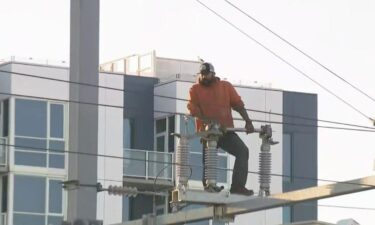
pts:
pixel 34 133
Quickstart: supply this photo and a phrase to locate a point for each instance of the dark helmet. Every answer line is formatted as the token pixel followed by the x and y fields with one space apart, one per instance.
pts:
pixel 206 68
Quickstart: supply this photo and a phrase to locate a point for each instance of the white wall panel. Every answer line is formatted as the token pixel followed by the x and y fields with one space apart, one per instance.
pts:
pixel 40 87
pixel 110 128
pixel 165 104
pixel 5 80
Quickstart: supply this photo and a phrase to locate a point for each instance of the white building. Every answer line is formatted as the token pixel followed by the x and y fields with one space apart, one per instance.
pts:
pixel 34 120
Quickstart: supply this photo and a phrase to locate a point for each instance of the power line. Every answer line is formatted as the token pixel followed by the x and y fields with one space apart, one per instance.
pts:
pixel 284 123
pixel 64 81
pixel 175 98
pixel 300 204
pixel 299 50
pixel 174 113
pixel 282 114
pixel 338 206
pixel 226 169
pixel 307 125
pixel 180 164
pixel 284 60
pixel 347 207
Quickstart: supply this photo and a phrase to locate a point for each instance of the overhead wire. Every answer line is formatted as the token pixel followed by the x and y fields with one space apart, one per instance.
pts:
pixel 300 204
pixel 299 50
pixel 282 114
pixel 174 113
pixel 284 60
pixel 162 96
pixel 307 204
pixel 174 163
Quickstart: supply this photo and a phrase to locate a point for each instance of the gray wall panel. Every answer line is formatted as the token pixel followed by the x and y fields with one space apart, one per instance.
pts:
pixel 304 150
pixel 139 106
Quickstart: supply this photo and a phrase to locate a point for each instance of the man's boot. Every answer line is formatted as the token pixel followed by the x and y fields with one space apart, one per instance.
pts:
pixel 213 188
pixel 241 191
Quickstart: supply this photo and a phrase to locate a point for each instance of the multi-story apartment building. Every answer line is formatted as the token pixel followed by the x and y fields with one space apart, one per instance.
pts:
pixel 34 120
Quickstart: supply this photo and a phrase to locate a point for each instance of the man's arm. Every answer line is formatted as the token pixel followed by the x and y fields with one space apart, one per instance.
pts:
pixel 249 124
pixel 238 105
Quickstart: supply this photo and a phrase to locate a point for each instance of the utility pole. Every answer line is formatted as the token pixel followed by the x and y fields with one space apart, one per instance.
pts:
pixel 83 118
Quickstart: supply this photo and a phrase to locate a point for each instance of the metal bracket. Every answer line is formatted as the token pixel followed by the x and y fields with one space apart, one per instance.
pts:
pixel 208 198
pixel 220 214
pixel 149 219
pixel 70 184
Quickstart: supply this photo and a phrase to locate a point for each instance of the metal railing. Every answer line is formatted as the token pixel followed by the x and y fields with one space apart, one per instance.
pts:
pixel 148 164
pixel 3 152
pixel 35 61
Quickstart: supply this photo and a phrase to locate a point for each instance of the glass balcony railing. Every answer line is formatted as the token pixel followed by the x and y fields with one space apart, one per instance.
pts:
pixel 3 152
pixel 148 164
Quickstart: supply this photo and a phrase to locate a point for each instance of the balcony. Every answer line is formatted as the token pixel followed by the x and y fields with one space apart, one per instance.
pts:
pixel 143 169
pixel 3 153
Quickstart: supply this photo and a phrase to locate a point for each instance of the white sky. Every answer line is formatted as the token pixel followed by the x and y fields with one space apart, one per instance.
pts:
pixel 338 33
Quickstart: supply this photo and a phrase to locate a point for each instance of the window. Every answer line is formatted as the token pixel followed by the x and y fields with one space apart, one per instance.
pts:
pixel 287 158
pixel 39 134
pixel 4 194
pixel 125 208
pixel 30 205
pixel 164 141
pixel 171 129
pixel 160 144
pixel 160 161
pixel 222 173
pixel 31 118
pixel 136 167
pixel 287 214
pixel 3 151
pixel 161 125
pixel 161 205
pixel 197 171
pixel 128 135
pixel 57 121
pixel 5 117
pixel 188 127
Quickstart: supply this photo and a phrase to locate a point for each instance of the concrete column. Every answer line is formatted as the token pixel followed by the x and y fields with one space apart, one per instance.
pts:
pixel 83 118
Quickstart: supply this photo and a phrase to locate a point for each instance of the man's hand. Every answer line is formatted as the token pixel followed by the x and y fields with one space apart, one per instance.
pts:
pixel 249 127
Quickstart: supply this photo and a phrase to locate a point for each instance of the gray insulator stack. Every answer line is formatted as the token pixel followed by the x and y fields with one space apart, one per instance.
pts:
pixel 265 169
pixel 182 161
pixel 211 158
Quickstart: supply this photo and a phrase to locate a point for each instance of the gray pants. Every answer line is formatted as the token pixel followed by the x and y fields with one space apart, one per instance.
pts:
pixel 233 144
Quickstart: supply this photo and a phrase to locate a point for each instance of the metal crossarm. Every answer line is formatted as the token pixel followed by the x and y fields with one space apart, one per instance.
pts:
pixel 307 194
pixel 206 198
pixel 247 205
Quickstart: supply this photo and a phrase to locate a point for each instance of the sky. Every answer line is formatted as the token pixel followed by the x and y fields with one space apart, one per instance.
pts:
pixel 338 33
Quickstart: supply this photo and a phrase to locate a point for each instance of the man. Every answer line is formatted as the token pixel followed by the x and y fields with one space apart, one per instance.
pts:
pixel 213 100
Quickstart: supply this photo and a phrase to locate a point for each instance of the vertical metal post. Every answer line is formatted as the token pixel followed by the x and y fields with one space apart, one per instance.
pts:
pixel 146 162
pixel 83 118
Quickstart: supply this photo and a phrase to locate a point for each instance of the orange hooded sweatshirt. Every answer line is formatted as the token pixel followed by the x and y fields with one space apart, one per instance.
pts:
pixel 215 102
